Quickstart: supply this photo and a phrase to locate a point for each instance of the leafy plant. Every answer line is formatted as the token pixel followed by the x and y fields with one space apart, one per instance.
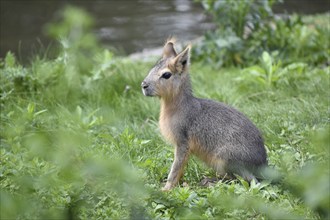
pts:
pixel 235 20
pixel 246 28
pixel 270 72
pixel 238 15
pixel 292 38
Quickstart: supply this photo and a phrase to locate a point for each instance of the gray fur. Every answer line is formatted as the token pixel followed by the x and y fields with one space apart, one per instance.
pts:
pixel 220 135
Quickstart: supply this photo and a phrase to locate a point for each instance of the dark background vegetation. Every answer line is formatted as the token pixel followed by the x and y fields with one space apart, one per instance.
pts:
pixel 126 25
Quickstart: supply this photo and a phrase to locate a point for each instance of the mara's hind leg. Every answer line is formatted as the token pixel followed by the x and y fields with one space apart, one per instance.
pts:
pixel 248 176
pixel 242 171
pixel 206 181
pixel 220 167
pixel 222 175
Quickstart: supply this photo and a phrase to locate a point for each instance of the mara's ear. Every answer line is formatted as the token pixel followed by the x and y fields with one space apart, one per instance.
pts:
pixel 169 50
pixel 181 62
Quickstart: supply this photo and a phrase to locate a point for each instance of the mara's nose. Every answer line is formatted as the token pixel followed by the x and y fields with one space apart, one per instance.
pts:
pixel 144 85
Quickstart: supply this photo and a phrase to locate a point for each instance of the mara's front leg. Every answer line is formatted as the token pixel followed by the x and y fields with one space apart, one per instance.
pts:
pixel 181 156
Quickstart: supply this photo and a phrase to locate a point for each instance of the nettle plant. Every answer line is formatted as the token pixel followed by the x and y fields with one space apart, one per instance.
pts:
pixel 246 28
pixel 235 21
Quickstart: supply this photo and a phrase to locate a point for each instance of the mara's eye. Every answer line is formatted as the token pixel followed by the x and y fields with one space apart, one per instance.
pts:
pixel 166 75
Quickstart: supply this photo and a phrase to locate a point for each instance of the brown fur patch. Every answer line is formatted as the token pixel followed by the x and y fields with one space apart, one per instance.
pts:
pixel 164 123
pixel 210 159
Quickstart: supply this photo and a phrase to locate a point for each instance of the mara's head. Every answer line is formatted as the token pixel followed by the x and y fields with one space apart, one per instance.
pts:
pixel 169 75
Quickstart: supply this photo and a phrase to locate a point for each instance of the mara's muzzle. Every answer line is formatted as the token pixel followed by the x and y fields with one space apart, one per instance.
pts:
pixel 146 89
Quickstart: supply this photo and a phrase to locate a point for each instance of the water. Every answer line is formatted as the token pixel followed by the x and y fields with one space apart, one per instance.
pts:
pixel 128 25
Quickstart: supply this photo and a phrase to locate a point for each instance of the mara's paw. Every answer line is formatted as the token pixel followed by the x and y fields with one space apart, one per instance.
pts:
pixel 207 182
pixel 168 186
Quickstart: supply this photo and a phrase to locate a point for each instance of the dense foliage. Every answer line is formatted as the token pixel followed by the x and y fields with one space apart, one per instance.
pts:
pixel 79 140
pixel 244 29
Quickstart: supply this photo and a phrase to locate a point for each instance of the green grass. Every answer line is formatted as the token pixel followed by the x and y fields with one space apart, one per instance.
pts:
pixel 79 140
pixel 93 150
